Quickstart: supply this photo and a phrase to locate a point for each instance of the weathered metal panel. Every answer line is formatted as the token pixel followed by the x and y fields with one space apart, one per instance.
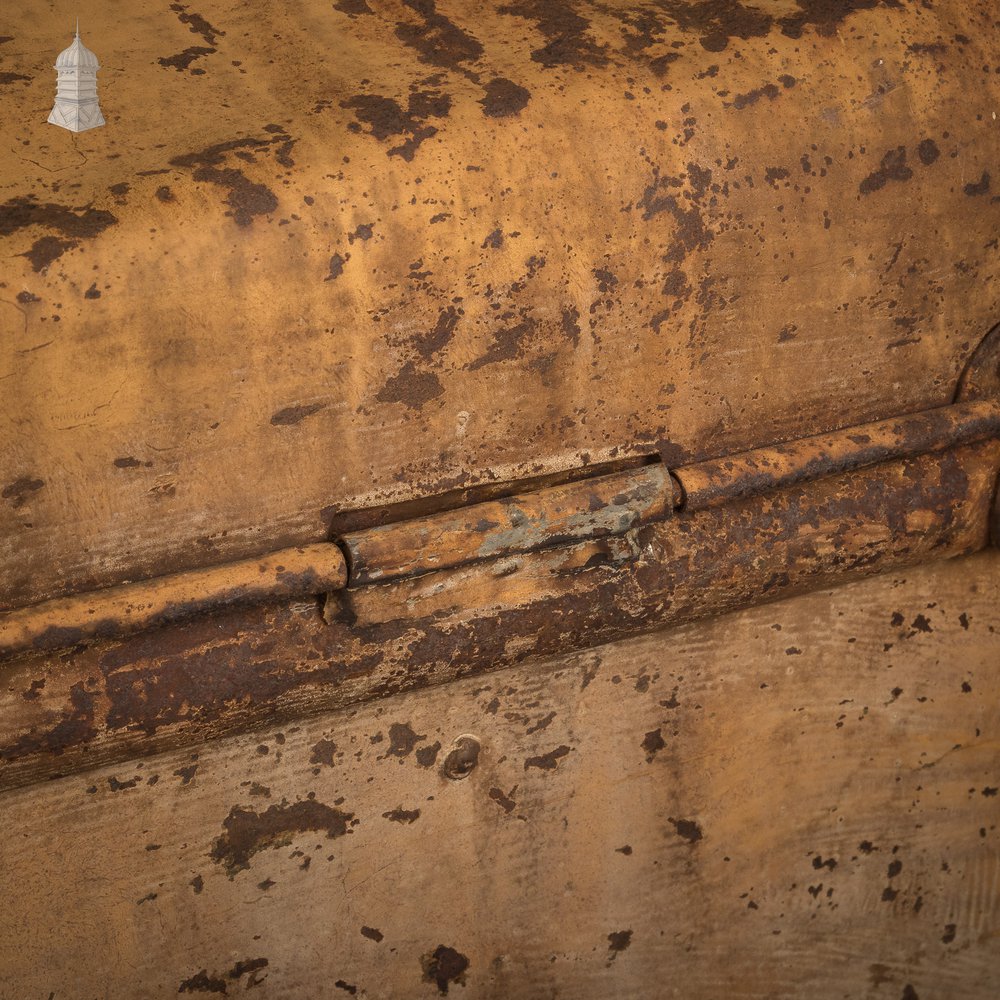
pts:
pixel 66 710
pixel 795 801
pixel 462 243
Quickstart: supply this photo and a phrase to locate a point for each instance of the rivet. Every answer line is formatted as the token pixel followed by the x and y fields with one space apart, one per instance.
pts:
pixel 462 758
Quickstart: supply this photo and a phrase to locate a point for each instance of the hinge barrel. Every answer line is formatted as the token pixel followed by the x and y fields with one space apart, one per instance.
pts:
pixel 586 510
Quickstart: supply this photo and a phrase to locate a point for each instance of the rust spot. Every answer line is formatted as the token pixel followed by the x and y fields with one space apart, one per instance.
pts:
pixel 504 98
pixel 437 40
pixel 186 774
pixel 353 7
pixel 548 761
pixel 201 982
pixel 387 118
pixel 618 941
pixel 20 491
pixel 74 224
pixel 292 415
pixel 652 743
pixel 401 815
pixel 373 934
pixel 402 740
pixel 979 187
pixel 323 753
pixel 928 151
pixel 892 168
pixel 443 966
pixel 6 78
pixel 248 832
pixel 505 802
pixel 245 198
pixel 686 828
pixel 182 60
pixel 426 756
pixel 494 241
pixel 337 263
pixel 93 292
pixel 565 31
pixel 363 232
pixel 411 387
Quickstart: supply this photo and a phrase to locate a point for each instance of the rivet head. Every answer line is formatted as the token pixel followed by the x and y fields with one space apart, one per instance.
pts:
pixel 462 758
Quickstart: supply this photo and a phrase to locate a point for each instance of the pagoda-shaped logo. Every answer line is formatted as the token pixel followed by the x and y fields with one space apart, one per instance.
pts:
pixel 76 106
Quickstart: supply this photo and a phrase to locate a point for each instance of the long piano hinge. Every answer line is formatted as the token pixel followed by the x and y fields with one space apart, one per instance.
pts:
pixel 600 507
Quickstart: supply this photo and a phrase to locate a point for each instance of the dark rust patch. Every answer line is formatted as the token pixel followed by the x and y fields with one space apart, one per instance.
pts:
pixel 686 828
pixel 892 168
pixel 618 941
pixel 653 743
pixel 248 832
pixel 437 40
pixel 323 753
pixel 402 740
pixel 507 344
pixel 182 60
pixel 504 98
pixel 74 224
pixel 337 263
pixel 292 415
pixel 245 199
pixel 373 934
pixel 505 802
pixel 981 186
pixel 187 773
pixel 353 7
pixel 6 78
pixel 565 31
pixel 431 343
pixel 201 982
pixel 426 756
pixel 443 966
pixel 197 24
pixel 928 151
pixel 548 761
pixel 410 386
pixel 401 815
pixel 21 490
pixel 386 118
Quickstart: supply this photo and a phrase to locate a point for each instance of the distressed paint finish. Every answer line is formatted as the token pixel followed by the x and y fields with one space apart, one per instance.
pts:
pixel 731 477
pixel 185 684
pixel 594 508
pixel 794 801
pixel 290 573
pixel 463 244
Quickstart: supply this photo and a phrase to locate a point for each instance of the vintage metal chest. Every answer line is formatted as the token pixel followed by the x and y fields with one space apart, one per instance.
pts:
pixel 497 500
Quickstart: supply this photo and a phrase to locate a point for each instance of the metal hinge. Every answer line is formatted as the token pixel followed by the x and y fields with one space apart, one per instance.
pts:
pixel 588 509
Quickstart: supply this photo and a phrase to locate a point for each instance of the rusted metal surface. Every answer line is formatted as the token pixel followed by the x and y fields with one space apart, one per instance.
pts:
pixel 296 572
pixel 798 801
pixel 751 473
pixel 112 699
pixel 539 237
pixel 581 510
pixel 591 508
